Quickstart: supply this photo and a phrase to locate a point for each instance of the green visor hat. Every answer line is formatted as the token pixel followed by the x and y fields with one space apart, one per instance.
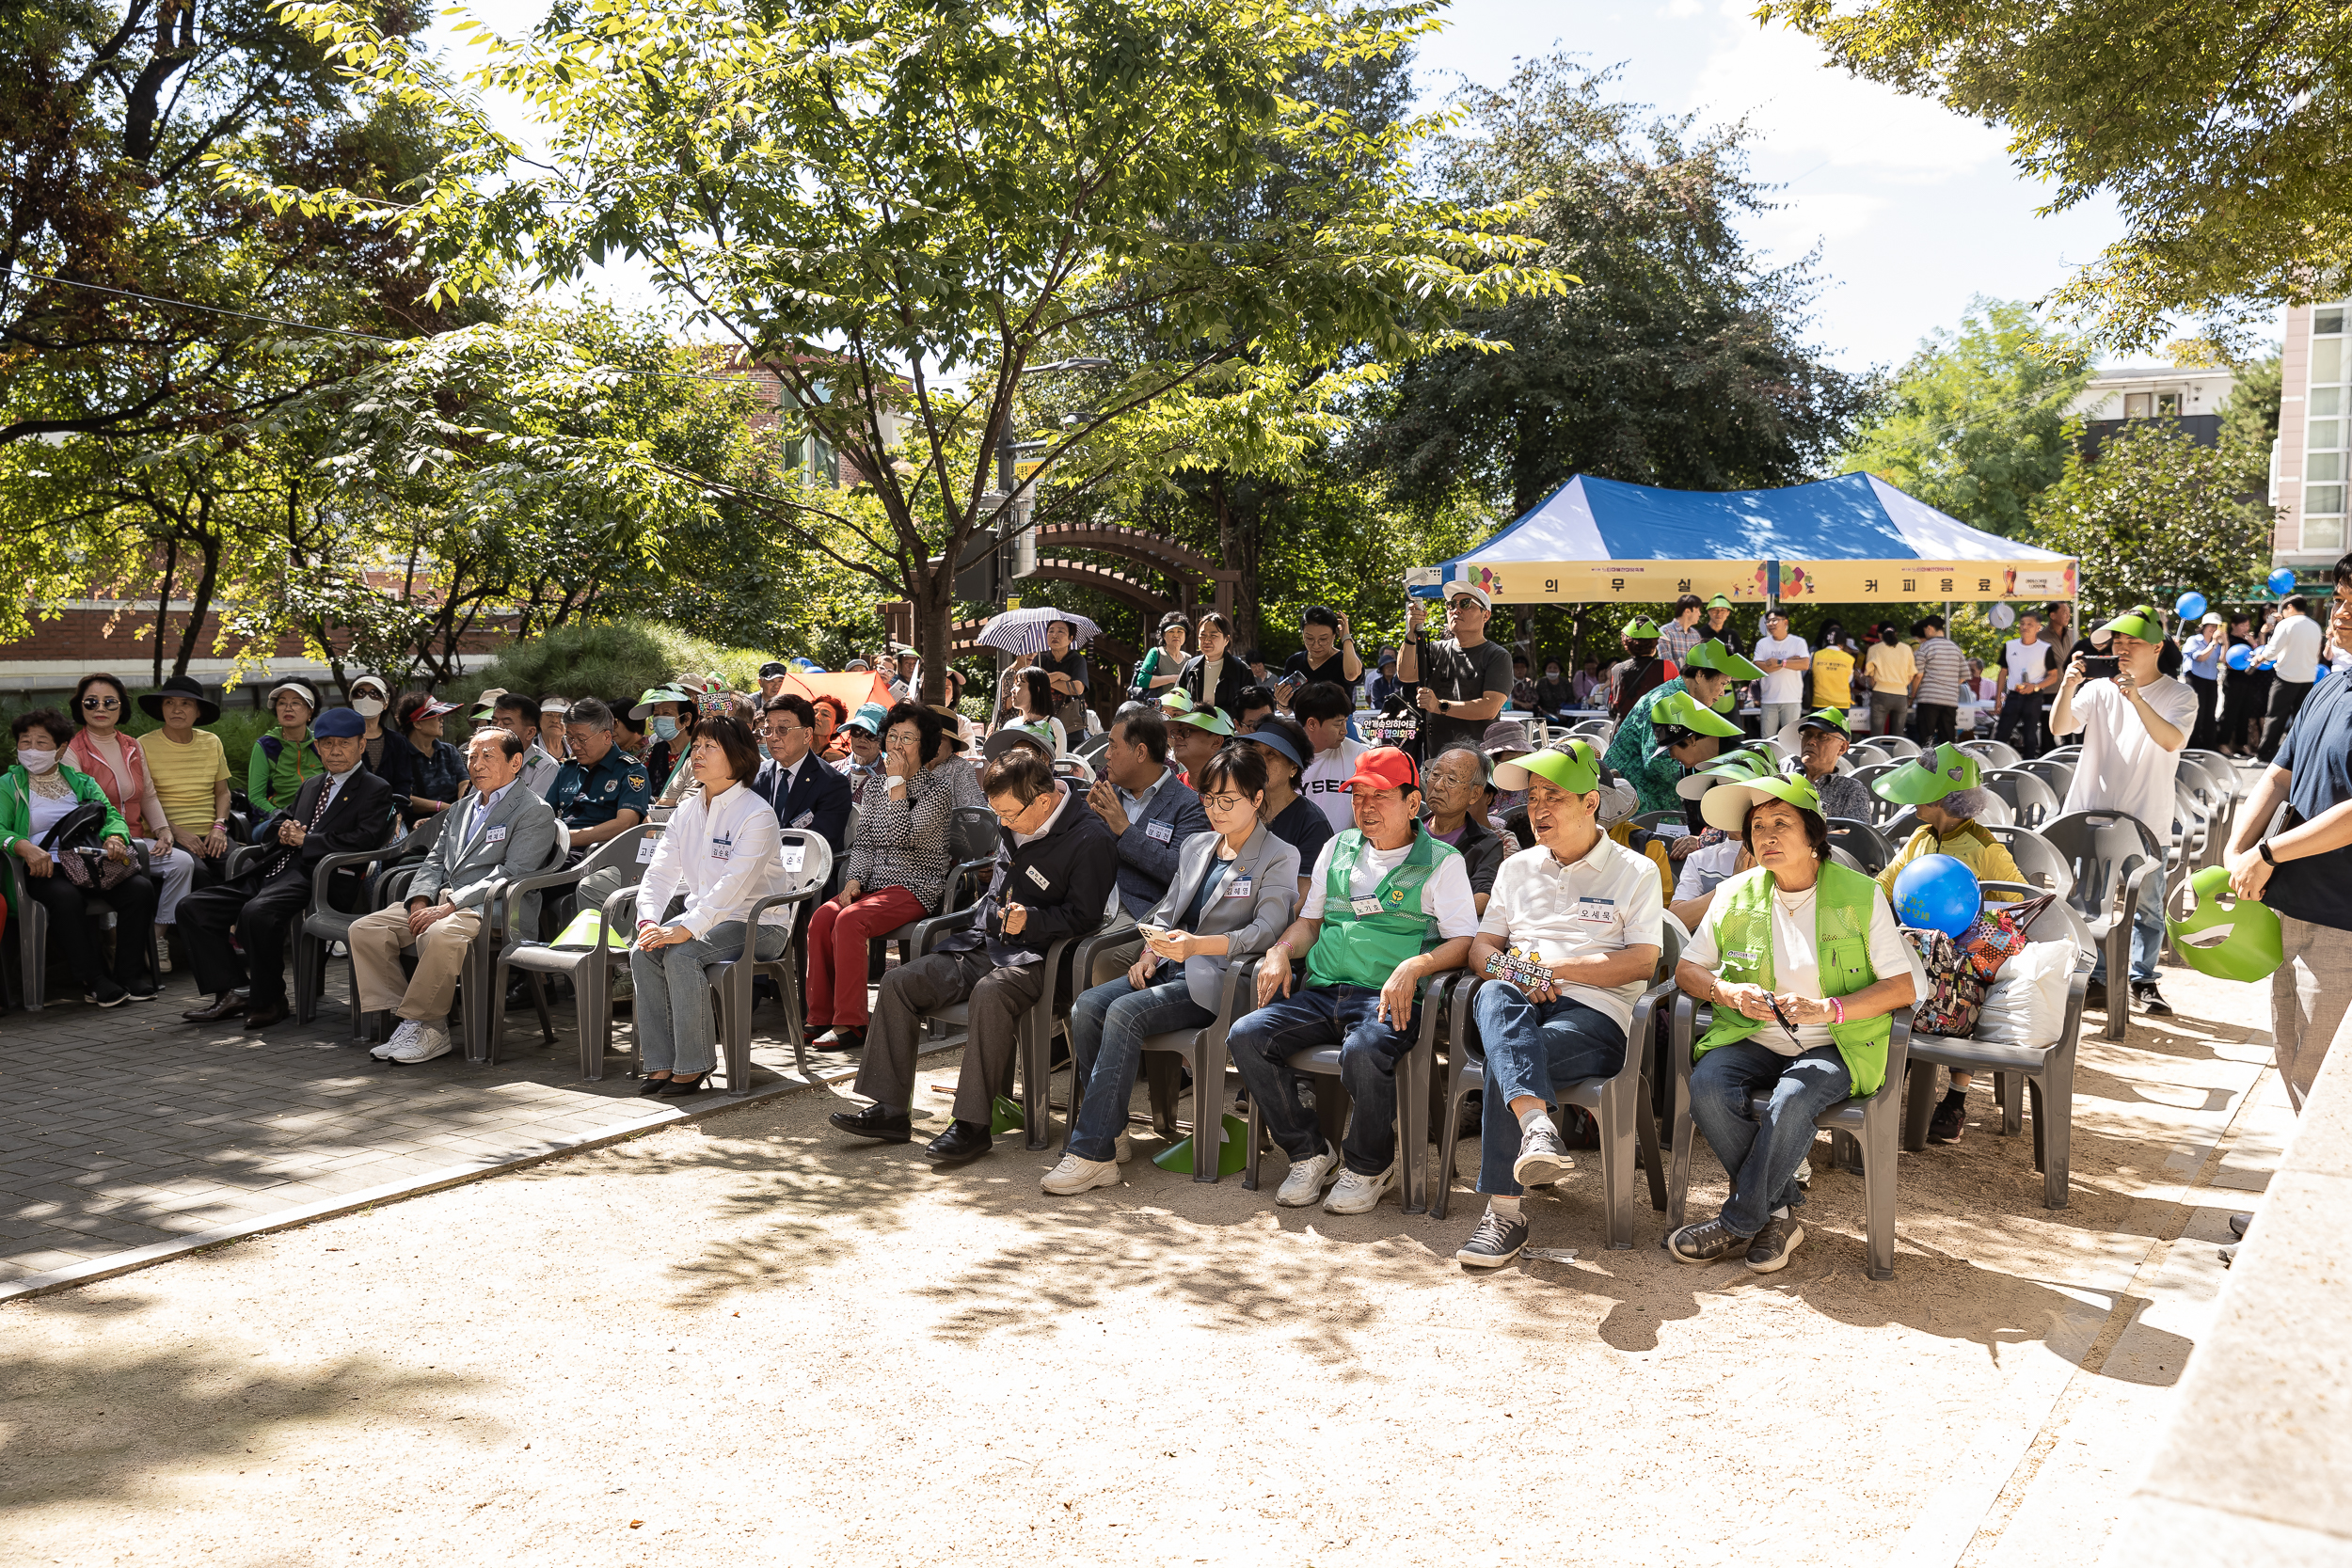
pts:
pixel 2140 620
pixel 1827 719
pixel 1182 710
pixel 1640 629
pixel 653 694
pixel 1720 601
pixel 1575 768
pixel 1712 655
pixel 1738 768
pixel 1728 807
pixel 2229 939
pixel 1678 716
pixel 1930 776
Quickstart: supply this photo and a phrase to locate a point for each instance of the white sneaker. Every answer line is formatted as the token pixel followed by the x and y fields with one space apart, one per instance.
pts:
pixel 403 1038
pixel 1125 1149
pixel 1308 1178
pixel 432 1041
pixel 1076 1175
pixel 1359 1194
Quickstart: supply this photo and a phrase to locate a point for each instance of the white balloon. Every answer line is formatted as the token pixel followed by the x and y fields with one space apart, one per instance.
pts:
pixel 2001 616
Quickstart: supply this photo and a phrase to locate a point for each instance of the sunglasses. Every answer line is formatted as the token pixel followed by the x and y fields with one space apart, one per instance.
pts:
pixel 100 705
pixel 1774 1002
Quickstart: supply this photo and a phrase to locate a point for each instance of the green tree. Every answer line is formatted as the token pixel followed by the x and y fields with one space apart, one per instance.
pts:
pixel 2249 421
pixel 910 208
pixel 1976 423
pixel 2217 130
pixel 2158 514
pixel 1676 360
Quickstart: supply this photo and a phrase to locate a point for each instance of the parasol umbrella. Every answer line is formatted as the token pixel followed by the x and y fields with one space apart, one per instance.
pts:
pixel 1023 630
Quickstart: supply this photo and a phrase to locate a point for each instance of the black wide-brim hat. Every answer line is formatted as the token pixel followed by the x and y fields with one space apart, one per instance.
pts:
pixel 179 686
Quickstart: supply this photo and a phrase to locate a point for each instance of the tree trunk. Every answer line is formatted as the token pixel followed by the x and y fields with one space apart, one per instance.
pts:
pixel 163 606
pixel 933 600
pixel 199 606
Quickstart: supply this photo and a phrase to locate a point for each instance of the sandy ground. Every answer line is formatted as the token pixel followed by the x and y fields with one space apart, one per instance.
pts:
pixel 752 1341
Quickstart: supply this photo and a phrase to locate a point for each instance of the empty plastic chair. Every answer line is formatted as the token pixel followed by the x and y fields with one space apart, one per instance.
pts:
pixel 2029 796
pixel 1864 845
pixel 2111 855
pixel 2042 865
pixel 1993 754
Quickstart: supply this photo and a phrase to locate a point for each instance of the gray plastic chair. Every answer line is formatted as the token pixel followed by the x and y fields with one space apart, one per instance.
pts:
pixel 973 835
pixel 589 969
pixel 1654 821
pixel 2056 773
pixel 1868 1130
pixel 2111 855
pixel 1620 1103
pixel 1034 1057
pixel 32 932
pixel 1202 1049
pixel 1415 1071
pixel 1862 843
pixel 1900 748
pixel 1993 754
pixel 322 924
pixel 2028 798
pixel 1599 730
pixel 2042 865
pixel 2048 1070
pixel 732 977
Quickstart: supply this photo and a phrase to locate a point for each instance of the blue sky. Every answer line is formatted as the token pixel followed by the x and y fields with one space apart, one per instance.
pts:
pixel 1915 208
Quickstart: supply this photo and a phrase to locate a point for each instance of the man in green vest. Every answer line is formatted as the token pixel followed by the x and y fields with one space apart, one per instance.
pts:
pixel 1386 907
pixel 1803 965
pixel 1637 751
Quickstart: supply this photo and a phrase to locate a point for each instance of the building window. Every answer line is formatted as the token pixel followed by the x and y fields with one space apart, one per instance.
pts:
pixel 2168 404
pixel 2326 465
pixel 2137 405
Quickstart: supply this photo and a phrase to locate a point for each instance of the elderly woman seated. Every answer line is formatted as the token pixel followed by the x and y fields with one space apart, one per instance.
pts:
pixel 1232 895
pixel 36 796
pixel 1804 967
pixel 1945 788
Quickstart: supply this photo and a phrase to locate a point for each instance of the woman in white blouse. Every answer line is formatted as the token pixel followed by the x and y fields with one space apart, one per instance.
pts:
pixel 723 852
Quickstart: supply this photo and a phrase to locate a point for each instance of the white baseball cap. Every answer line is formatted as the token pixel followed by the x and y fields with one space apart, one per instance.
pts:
pixel 1469 590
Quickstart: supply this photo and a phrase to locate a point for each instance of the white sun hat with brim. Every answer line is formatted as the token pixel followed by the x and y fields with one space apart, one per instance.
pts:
pixel 1727 805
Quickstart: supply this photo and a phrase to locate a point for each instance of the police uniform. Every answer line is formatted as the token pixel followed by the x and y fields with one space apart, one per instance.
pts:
pixel 588 797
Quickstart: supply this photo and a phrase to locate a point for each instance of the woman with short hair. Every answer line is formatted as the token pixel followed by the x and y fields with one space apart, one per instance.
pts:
pixel 1159 667
pixel 436 769
pixel 723 852
pixel 1805 968
pixel 115 762
pixel 1211 678
pixel 37 794
pixel 280 762
pixel 897 865
pixel 382 749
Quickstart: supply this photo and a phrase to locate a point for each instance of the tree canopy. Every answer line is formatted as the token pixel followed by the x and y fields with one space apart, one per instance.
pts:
pixel 2156 513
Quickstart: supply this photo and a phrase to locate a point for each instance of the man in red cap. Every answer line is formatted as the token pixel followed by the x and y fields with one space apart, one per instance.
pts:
pixel 1387 906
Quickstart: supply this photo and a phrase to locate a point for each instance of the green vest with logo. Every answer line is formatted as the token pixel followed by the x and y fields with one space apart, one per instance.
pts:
pixel 1841 934
pixel 1356 949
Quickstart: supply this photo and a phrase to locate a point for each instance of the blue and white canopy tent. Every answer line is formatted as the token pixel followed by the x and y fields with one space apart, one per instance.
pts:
pixel 1855 539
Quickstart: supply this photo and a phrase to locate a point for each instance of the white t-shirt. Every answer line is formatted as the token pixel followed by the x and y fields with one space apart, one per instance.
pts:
pixel 2029 663
pixel 1606 901
pixel 1783 686
pixel 2121 767
pixel 1704 869
pixel 1325 784
pixel 1445 897
pixel 1796 958
pixel 2295 643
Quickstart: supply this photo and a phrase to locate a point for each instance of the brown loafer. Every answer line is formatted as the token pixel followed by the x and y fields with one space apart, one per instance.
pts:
pixel 264 1018
pixel 229 1006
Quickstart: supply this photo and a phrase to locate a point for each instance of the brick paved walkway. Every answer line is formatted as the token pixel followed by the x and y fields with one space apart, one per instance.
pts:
pixel 124 1128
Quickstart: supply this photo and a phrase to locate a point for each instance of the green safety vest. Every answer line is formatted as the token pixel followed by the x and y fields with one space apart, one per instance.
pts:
pixel 1356 949
pixel 1841 933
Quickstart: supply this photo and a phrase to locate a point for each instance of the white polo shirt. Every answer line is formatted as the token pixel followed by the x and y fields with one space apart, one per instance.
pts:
pixel 1606 901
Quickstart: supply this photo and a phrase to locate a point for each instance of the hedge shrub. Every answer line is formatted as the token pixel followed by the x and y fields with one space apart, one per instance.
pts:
pixel 615 660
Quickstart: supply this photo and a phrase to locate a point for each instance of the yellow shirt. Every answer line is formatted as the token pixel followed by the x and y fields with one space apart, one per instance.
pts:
pixel 1833 678
pixel 1891 669
pixel 185 777
pixel 1975 849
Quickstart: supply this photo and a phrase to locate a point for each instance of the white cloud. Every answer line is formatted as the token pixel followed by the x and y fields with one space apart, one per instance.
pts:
pixel 1806 108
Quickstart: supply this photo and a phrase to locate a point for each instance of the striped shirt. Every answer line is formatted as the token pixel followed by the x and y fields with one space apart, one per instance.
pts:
pixel 906 842
pixel 1942 668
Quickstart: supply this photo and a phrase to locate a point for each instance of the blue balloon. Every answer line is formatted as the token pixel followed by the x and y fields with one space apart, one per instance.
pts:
pixel 1937 893
pixel 2282 580
pixel 2192 605
pixel 2241 658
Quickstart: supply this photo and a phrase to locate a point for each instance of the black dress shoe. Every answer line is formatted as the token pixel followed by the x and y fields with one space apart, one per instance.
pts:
pixel 652 1086
pixel 229 1006
pixel 964 1140
pixel 265 1018
pixel 678 1089
pixel 842 1039
pixel 878 1122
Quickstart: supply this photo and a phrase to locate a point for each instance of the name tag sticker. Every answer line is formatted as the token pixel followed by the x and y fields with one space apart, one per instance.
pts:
pixel 1238 888
pixel 645 846
pixel 1740 957
pixel 804 819
pixel 795 856
pixel 1038 877
pixel 721 848
pixel 1597 909
pixel 494 835
pixel 1364 907
pixel 1162 831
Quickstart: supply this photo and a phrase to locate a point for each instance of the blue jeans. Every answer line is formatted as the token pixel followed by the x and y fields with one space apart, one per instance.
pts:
pixel 1264 1042
pixel 1531 1046
pixel 675 1031
pixel 1763 1157
pixel 2147 933
pixel 1109 1026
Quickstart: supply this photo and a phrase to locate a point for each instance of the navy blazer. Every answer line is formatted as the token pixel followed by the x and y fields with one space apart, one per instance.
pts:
pixel 819 799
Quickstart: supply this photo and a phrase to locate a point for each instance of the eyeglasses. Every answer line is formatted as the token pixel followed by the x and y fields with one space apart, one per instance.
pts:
pixel 100 705
pixel 1010 818
pixel 1225 802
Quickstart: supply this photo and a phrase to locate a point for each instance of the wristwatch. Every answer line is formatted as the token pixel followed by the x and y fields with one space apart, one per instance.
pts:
pixel 2263 848
pixel 1444 706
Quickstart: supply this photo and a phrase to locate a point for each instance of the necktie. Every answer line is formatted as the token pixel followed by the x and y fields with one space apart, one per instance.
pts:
pixel 318 813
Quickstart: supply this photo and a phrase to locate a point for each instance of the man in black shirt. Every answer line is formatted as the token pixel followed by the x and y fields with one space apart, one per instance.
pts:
pixel 1329 654
pixel 1464 681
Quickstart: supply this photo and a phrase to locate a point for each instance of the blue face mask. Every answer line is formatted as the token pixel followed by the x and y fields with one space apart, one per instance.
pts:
pixel 664 727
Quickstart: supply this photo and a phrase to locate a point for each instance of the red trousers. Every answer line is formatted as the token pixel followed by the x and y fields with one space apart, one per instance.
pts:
pixel 836 953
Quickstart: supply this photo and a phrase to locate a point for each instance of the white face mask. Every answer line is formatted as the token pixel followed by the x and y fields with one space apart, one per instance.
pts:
pixel 366 707
pixel 36 761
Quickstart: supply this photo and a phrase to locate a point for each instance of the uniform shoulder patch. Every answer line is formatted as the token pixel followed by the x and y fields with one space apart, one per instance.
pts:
pixel 640 780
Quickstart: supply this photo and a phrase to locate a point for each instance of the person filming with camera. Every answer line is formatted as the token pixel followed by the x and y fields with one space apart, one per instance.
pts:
pixel 2134 717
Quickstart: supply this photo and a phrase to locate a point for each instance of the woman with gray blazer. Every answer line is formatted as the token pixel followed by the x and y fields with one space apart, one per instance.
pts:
pixel 1232 896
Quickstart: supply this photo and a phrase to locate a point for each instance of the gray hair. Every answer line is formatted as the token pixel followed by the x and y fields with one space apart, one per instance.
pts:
pixel 1486 763
pixel 591 714
pixel 1968 804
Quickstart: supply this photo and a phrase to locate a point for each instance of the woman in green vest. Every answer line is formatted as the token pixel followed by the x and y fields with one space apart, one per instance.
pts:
pixel 1802 962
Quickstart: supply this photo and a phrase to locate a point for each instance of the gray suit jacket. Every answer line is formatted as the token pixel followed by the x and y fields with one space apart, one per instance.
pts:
pixel 1250 924
pixel 464 864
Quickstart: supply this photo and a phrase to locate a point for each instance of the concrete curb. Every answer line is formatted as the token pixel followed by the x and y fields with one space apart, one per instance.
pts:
pixel 717 1104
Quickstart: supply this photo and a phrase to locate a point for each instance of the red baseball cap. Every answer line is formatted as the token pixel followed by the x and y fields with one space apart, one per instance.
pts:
pixel 1385 768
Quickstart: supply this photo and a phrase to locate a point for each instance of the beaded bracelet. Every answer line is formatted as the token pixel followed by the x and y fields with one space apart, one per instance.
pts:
pixel 1837 1006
